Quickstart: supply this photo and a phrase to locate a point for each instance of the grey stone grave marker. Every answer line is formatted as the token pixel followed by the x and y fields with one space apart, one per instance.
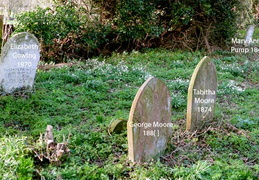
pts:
pixel 149 126
pixel 18 63
pixel 201 95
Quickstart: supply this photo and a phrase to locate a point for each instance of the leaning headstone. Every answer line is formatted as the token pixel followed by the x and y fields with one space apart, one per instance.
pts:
pixel 149 127
pixel 202 95
pixel 18 63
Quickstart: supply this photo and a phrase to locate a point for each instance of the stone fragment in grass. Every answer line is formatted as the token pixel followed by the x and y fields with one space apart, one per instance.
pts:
pixel 117 126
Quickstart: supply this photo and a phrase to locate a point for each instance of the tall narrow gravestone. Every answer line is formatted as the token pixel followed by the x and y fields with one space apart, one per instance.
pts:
pixel 18 63
pixel 202 95
pixel 149 126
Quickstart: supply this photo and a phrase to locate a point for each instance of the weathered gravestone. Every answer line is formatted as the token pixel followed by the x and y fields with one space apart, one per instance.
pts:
pixel 149 126
pixel 18 63
pixel 202 95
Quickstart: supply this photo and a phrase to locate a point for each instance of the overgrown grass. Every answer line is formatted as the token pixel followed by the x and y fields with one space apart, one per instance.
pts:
pixel 80 101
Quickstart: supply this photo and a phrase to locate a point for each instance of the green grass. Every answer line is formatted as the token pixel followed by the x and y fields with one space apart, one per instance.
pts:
pixel 80 102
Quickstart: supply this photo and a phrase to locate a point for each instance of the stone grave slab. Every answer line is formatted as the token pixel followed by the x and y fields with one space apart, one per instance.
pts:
pixel 202 95
pixel 149 127
pixel 18 63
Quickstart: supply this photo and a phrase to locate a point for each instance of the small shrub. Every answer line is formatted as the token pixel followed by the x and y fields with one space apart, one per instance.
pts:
pixel 15 162
pixel 235 169
pixel 68 30
pixel 196 171
pixel 247 123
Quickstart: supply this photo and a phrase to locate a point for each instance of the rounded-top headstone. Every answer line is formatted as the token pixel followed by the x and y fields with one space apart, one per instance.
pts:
pixel 201 95
pixel 149 127
pixel 18 63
